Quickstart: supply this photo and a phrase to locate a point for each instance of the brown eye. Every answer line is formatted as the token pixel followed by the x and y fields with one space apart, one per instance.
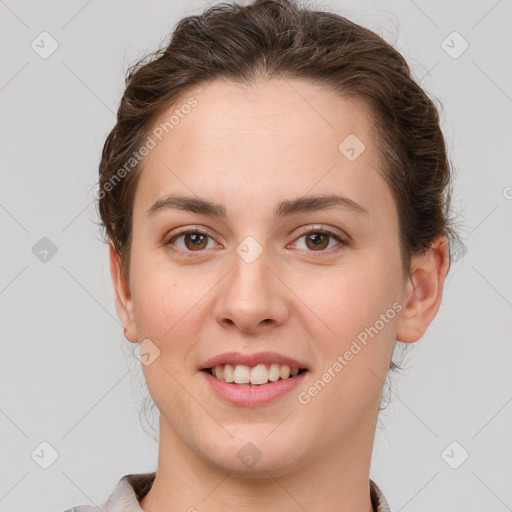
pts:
pixel 189 241
pixel 195 241
pixel 319 240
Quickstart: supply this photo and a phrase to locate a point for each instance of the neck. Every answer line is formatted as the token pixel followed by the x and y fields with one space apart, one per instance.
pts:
pixel 334 480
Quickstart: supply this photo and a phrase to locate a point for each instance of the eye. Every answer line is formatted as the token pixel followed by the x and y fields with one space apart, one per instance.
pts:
pixel 318 240
pixel 197 240
pixel 194 240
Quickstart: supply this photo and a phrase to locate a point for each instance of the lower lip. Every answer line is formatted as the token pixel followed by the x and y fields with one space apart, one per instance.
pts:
pixel 247 395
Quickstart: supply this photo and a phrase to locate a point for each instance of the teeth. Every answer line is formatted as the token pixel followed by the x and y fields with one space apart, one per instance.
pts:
pixel 242 374
pixel 256 375
pixel 274 372
pixel 259 374
pixel 228 372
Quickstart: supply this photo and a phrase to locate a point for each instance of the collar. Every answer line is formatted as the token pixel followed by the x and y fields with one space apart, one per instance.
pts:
pixel 132 488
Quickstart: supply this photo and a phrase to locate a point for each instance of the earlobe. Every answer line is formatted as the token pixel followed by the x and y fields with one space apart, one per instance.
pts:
pixel 123 299
pixel 423 291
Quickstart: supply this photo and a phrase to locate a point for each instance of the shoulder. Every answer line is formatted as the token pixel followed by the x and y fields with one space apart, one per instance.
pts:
pixel 379 502
pixel 82 508
pixel 125 497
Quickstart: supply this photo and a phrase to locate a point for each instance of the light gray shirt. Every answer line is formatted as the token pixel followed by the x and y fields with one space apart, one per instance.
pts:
pixel 132 488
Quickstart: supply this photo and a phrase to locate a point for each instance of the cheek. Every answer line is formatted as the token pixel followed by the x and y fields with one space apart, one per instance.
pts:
pixel 170 307
pixel 167 312
pixel 354 360
pixel 160 294
pixel 355 299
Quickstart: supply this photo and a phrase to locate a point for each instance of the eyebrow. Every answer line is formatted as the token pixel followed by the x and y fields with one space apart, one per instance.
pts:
pixel 286 208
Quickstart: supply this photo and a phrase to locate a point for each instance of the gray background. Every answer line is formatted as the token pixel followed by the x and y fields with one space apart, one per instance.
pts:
pixel 67 375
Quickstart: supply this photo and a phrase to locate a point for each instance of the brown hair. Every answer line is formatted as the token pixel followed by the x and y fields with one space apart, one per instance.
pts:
pixel 279 39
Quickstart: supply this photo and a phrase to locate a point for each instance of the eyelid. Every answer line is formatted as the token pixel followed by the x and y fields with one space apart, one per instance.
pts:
pixel 314 228
pixel 185 230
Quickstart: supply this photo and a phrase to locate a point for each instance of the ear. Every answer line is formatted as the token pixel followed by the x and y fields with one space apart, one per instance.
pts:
pixel 423 291
pixel 124 305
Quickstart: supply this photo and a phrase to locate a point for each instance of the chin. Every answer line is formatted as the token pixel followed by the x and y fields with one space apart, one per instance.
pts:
pixel 255 456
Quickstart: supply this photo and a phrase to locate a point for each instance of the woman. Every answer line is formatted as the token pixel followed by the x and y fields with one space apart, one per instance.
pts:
pixel 275 194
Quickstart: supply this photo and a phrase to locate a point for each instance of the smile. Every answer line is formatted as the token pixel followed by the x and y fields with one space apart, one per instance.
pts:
pixel 258 375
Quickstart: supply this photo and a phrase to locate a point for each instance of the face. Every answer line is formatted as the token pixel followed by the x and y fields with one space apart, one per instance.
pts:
pixel 317 281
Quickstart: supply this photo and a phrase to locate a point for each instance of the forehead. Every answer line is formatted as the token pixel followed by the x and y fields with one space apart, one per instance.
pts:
pixel 274 138
pixel 277 112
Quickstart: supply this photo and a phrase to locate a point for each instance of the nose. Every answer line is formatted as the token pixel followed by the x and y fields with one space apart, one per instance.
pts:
pixel 252 298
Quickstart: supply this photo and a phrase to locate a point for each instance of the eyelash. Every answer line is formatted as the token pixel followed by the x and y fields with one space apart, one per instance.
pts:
pixel 302 233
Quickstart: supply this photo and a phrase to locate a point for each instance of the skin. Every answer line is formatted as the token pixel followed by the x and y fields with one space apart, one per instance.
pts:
pixel 249 148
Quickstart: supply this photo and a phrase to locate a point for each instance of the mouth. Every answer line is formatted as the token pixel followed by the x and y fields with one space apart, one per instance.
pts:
pixel 257 375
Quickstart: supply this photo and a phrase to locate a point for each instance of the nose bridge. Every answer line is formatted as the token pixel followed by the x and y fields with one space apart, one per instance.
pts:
pixel 251 295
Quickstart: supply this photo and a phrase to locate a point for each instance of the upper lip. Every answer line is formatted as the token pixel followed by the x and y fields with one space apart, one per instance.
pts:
pixel 235 358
